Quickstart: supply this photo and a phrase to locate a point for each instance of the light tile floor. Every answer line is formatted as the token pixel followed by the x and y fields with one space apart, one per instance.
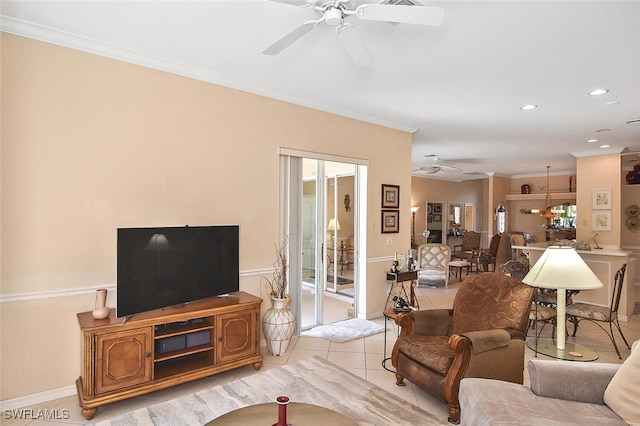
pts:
pixel 362 357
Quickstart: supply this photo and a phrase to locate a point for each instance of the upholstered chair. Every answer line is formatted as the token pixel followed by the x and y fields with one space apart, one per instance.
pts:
pixel 518 254
pixel 433 264
pixel 482 336
pixel 498 253
pixel 469 248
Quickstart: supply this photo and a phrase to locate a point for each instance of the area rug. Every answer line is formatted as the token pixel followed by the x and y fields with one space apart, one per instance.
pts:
pixel 339 280
pixel 345 331
pixel 311 381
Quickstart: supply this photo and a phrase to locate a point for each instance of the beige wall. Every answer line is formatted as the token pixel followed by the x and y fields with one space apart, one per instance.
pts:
pixel 90 144
pixel 426 189
pixel 599 172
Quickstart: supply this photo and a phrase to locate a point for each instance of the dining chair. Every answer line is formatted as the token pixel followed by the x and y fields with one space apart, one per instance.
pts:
pixel 597 314
pixel 469 248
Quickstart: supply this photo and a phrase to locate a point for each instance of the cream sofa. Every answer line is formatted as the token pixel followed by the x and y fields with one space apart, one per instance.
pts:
pixel 561 393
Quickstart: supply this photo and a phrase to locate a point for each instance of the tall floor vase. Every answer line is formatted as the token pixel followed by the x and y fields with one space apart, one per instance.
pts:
pixel 278 325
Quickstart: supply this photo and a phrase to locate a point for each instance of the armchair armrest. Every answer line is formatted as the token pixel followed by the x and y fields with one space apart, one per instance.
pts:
pixel 431 322
pixel 486 340
pixel 571 381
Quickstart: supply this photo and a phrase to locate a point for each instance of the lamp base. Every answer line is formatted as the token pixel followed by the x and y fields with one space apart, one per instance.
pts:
pixel 571 352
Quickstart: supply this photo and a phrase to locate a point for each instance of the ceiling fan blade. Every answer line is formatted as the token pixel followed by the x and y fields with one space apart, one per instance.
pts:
pixel 354 45
pixel 299 3
pixel 290 38
pixel 449 168
pixel 419 15
pixel 430 169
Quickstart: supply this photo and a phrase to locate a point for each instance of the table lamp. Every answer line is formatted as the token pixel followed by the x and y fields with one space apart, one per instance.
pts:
pixel 561 268
pixel 333 227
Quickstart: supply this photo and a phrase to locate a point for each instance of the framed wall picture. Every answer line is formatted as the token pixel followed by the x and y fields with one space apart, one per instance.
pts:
pixel 601 199
pixel 437 218
pixel 390 196
pixel 601 220
pixel 390 221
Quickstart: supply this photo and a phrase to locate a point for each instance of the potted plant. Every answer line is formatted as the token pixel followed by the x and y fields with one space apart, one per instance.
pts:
pixel 278 322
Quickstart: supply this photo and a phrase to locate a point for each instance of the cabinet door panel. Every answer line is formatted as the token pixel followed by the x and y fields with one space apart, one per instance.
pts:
pixel 236 335
pixel 123 359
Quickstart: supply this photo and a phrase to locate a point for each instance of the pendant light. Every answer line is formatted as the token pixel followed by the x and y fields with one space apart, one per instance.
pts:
pixel 547 213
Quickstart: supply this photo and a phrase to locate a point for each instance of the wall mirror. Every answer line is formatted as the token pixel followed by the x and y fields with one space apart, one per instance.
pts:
pixel 455 215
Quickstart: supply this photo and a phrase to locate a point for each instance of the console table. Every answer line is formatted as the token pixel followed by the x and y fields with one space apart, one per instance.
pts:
pixel 166 347
pixel 397 280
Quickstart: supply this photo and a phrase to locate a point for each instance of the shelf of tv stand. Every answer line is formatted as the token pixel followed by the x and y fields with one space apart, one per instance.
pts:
pixel 120 359
pixel 184 352
pixel 177 366
pixel 178 331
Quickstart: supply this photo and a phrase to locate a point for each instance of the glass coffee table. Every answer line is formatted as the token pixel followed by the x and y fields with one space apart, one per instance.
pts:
pixel 571 352
pixel 297 414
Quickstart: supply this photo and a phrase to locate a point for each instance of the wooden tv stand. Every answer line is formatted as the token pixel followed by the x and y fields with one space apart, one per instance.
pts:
pixel 166 347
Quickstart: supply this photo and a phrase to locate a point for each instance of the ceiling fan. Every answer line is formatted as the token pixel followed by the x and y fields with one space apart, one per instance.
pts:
pixel 334 13
pixel 437 166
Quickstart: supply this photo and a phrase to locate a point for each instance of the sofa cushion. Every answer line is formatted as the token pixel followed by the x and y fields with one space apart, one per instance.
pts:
pixel 497 403
pixel 623 393
pixel 432 352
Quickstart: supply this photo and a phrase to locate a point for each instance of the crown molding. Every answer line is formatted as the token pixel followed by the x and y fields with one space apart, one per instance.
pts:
pixel 97 47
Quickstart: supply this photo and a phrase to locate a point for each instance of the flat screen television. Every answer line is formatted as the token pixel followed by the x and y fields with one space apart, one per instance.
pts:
pixel 162 267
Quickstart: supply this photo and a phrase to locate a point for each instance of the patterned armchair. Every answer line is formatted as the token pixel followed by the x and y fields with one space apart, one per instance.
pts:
pixel 469 248
pixel 433 264
pixel 482 336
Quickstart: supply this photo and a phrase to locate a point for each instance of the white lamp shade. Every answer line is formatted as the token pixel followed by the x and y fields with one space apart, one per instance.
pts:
pixel 562 268
pixel 334 225
pixel 414 209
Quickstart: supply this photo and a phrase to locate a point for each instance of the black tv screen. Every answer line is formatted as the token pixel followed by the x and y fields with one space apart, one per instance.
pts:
pixel 162 267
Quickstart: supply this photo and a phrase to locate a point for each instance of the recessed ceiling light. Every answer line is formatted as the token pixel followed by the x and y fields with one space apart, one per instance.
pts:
pixel 634 121
pixel 605 146
pixel 592 140
pixel 528 107
pixel 598 92
pixel 603 130
pixel 612 103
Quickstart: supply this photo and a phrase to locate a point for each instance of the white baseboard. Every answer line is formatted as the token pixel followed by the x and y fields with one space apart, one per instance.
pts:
pixel 37 398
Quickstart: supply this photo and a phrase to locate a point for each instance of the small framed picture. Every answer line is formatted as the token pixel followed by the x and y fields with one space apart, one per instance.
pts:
pixel 601 199
pixel 437 218
pixel 437 208
pixel 430 218
pixel 390 196
pixel 390 221
pixel 601 220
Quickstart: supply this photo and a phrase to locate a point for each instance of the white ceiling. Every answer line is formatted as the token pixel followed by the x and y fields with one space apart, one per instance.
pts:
pixel 458 86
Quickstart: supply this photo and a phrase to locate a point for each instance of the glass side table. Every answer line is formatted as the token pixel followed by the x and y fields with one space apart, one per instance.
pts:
pixel 571 352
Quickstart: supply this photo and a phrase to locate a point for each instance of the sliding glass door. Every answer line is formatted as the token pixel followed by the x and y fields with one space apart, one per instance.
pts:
pixel 330 238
